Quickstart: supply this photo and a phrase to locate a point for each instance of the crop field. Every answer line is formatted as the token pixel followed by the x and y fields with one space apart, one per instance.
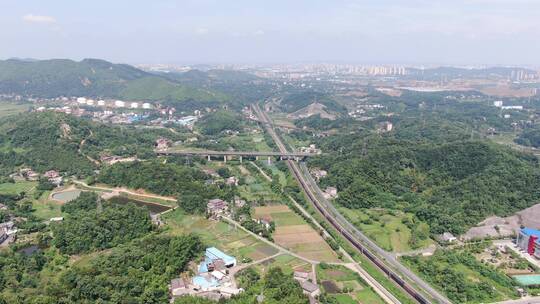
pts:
pixel 219 234
pixel 7 109
pixel 293 233
pixel 17 187
pixel 345 286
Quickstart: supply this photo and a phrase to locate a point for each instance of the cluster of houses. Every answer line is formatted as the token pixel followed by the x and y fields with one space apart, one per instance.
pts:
pixel 28 174
pixel 212 280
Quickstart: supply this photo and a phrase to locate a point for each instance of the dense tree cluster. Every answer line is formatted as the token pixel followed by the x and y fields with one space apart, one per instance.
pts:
pixel 94 225
pixel 137 272
pixel 170 179
pixel 155 176
pixel 530 138
pixel 443 270
pixel 451 186
pixel 216 122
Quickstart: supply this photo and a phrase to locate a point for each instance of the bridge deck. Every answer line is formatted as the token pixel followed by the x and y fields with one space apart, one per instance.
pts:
pixel 235 153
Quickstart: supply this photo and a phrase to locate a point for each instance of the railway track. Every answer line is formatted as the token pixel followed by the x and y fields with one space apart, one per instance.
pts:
pixel 355 237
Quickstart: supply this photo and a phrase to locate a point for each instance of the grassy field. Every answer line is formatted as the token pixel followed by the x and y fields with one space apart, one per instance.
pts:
pixel 219 234
pixel 345 286
pixel 16 188
pixel 385 228
pixel 286 262
pixel 45 208
pixel 293 233
pixel 7 108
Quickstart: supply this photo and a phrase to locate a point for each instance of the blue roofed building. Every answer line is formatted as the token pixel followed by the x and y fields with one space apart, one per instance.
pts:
pixel 214 254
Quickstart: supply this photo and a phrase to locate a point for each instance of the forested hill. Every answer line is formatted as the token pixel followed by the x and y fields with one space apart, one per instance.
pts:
pixel 450 185
pixel 45 141
pixel 94 78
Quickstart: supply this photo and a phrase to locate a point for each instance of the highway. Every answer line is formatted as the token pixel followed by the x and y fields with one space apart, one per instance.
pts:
pixel 386 261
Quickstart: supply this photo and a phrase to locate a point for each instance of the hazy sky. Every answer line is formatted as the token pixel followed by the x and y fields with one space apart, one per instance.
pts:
pixel 274 31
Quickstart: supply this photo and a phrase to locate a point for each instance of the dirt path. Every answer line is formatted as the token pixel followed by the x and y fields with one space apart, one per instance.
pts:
pixel 125 190
pixel 81 144
pixel 262 172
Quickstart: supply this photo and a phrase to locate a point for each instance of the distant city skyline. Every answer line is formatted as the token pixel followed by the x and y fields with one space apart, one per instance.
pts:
pixel 414 32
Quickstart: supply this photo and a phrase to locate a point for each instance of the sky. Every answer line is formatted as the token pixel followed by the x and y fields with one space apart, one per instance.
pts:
pixel 493 32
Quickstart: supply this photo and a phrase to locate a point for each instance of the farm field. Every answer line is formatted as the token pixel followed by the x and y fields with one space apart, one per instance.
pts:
pixel 17 187
pixel 7 108
pixel 388 229
pixel 345 286
pixel 293 233
pixel 219 234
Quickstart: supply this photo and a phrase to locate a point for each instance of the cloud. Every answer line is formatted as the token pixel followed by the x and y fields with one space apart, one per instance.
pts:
pixel 31 18
pixel 201 31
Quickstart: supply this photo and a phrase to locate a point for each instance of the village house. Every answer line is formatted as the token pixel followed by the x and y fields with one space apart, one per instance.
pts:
pixel 216 207
pixel 330 193
pixel 163 143
pixel 310 289
pixel 29 174
pixel 3 207
pixel 447 237
pixel 51 174
pixel 231 181
pixel 178 287
pixel 301 275
pixel 318 174
pixel 265 221
pixel 239 202
pixel 311 149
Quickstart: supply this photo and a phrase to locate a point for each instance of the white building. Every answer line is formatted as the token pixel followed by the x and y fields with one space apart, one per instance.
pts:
pixel 146 105
pixel 134 105
pixel 101 102
pixel 119 104
pixel 90 102
pixel 81 100
pixel 498 103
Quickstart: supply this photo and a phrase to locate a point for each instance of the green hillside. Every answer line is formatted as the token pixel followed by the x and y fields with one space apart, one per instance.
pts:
pixel 451 186
pixel 94 78
pixel 45 141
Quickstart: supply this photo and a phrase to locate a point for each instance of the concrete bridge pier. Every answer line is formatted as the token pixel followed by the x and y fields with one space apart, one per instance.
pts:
pixel 224 159
pixel 269 160
pixel 208 157
pixel 240 158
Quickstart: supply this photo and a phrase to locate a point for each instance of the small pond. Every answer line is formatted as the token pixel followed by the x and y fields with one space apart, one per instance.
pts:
pixel 153 208
pixel 66 196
